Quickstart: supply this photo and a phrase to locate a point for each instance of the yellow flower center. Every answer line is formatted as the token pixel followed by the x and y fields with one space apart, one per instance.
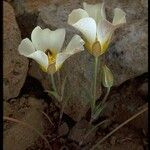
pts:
pixel 51 56
pixel 96 49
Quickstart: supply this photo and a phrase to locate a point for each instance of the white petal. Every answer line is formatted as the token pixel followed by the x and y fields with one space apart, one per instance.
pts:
pixel 87 26
pixel 47 39
pixel 119 17
pixel 26 47
pixel 36 37
pixel 41 58
pixel 76 15
pixel 61 57
pixel 104 31
pixel 74 46
pixel 53 40
pixel 96 11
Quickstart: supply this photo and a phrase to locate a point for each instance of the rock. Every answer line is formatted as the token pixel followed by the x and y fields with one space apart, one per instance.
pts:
pixel 17 136
pixel 26 13
pixel 127 55
pixel 29 6
pixel 7 109
pixel 126 58
pixel 63 129
pixel 15 66
pixel 143 89
pixel 79 131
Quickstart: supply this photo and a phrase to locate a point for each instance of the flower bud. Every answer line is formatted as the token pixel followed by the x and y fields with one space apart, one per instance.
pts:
pixel 107 77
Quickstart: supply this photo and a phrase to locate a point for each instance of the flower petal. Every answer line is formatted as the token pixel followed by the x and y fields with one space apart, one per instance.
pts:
pixel 76 15
pixel 26 47
pixel 119 17
pixel 53 40
pixel 104 30
pixel 104 33
pixel 47 39
pixel 87 26
pixel 36 37
pixel 96 11
pixel 61 57
pixel 74 46
pixel 41 58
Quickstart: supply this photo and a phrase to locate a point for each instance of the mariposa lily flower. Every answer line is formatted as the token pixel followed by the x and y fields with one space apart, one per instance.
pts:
pixel 46 46
pixel 96 30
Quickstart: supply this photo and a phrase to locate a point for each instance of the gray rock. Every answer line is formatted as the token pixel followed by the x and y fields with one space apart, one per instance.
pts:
pixel 15 66
pixel 29 6
pixel 126 57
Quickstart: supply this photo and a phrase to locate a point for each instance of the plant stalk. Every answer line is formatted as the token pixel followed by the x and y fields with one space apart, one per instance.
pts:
pixel 95 82
pixel 53 83
pixel 106 95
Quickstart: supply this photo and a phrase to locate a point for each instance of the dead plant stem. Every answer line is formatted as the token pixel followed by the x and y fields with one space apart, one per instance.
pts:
pixel 120 126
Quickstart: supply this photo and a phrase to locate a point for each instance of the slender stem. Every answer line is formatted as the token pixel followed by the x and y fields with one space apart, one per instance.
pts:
pixel 53 83
pixel 95 81
pixel 62 109
pixel 61 99
pixel 47 117
pixel 92 131
pixel 59 80
pixel 106 95
pixel 61 114
pixel 121 125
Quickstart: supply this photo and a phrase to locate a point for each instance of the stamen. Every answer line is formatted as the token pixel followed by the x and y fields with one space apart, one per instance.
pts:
pixel 51 56
pixel 47 52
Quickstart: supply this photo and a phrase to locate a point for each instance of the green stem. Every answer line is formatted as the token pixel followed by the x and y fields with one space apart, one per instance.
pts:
pixel 59 80
pixel 106 95
pixel 53 83
pixel 61 114
pixel 62 108
pixel 95 83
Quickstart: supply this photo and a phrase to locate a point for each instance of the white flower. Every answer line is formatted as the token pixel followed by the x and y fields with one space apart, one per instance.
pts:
pixel 97 31
pixel 46 45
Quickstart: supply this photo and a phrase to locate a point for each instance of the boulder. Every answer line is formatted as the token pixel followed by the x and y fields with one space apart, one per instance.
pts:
pixel 15 66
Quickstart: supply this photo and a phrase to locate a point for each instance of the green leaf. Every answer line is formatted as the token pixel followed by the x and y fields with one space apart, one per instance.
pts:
pixel 98 109
pixel 53 93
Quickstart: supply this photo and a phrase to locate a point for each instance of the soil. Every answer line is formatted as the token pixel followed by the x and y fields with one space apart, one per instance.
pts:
pixel 128 137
